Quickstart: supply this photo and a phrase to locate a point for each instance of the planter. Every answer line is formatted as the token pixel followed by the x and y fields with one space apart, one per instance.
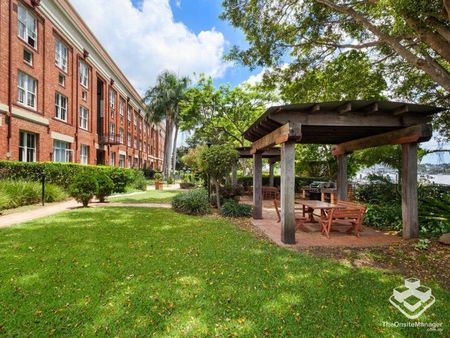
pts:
pixel 159 185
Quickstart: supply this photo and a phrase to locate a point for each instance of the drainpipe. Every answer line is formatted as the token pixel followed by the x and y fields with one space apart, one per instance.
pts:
pixel 8 155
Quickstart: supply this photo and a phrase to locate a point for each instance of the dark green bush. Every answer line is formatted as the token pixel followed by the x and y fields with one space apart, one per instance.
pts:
pixel 193 202
pixel 170 180
pixel 213 200
pixel 105 186
pixel 233 209
pixel 84 187
pixel 187 185
pixel 300 182
pixel 149 173
pixel 378 190
pixel 63 174
pixel 18 193
pixel 386 217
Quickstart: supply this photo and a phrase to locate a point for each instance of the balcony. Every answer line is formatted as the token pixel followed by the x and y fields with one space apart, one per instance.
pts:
pixel 111 139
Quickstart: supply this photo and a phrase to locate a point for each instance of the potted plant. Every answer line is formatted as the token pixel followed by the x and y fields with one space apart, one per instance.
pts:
pixel 158 183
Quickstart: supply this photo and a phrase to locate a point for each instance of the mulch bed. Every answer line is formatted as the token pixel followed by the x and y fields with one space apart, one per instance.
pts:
pixel 430 265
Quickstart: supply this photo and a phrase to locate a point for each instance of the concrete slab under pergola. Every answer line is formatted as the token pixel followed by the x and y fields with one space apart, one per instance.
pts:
pixel 348 126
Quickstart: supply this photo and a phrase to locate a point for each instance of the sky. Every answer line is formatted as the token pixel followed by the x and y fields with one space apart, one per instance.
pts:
pixel 145 37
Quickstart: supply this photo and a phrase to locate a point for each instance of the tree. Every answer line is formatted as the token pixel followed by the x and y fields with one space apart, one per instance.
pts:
pixel 408 39
pixel 217 161
pixel 162 102
pixel 221 115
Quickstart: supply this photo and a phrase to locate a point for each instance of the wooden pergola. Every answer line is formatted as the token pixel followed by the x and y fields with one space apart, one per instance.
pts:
pixel 348 126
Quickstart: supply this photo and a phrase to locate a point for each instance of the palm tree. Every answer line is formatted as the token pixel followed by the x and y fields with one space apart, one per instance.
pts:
pixel 162 103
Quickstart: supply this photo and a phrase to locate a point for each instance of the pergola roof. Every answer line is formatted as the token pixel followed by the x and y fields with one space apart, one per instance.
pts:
pixel 341 121
pixel 271 153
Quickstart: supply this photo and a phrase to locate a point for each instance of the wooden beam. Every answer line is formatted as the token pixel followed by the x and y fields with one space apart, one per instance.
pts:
pixel 409 191
pixel 418 133
pixel 257 186
pixel 346 108
pixel 370 109
pixel 288 131
pixel 287 194
pixel 400 111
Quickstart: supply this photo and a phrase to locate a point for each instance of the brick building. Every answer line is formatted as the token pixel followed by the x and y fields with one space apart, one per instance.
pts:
pixel 62 97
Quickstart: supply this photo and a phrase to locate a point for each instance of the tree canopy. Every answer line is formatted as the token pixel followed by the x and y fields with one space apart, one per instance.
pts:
pixel 406 41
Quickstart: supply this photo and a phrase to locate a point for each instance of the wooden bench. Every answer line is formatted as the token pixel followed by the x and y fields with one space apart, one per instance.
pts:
pixel 353 212
pixel 298 220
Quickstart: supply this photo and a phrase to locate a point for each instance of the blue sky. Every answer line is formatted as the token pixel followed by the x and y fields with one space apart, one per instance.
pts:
pixel 145 37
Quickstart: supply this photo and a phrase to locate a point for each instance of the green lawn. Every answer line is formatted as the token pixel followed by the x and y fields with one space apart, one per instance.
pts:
pixel 151 196
pixel 143 272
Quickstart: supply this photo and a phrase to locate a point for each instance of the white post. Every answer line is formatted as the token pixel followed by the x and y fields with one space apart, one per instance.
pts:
pixel 288 193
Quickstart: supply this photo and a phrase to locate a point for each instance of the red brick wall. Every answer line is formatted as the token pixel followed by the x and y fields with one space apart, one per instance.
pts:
pixel 45 71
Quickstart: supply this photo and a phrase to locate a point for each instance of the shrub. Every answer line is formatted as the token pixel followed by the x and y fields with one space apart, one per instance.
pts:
pixel 233 209
pixel 139 181
pixel 83 188
pixel 388 216
pixel 193 202
pixel 149 173
pixel 170 180
pixel 158 176
pixel 187 185
pixel 105 186
pixel 213 200
pixel 18 193
pixel 63 174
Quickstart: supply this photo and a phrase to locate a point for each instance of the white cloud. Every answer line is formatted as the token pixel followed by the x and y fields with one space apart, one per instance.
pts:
pixel 146 41
pixel 256 78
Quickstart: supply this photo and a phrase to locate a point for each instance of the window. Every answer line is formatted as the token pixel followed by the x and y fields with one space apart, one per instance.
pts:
pixel 121 161
pixel 27 88
pixel 27 57
pixel 128 140
pixel 61 55
pixel 84 118
pixel 130 161
pixel 129 113
pixel 121 106
pixel 61 79
pixel 135 119
pixel 27 147
pixel 27 26
pixel 112 160
pixel 135 142
pixel 84 95
pixel 61 151
pixel 112 99
pixel 61 107
pixel 84 154
pixel 121 135
pixel 84 74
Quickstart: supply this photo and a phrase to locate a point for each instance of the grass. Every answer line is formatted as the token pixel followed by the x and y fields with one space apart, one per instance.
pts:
pixel 150 196
pixel 152 272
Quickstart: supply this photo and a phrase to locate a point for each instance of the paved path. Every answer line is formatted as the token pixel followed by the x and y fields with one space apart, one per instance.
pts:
pixel 21 217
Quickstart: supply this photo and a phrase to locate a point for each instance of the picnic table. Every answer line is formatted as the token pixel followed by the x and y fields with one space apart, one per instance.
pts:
pixel 310 205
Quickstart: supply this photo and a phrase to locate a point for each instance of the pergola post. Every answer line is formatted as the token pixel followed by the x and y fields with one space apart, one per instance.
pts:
pixel 234 173
pixel 342 182
pixel 288 192
pixel 257 186
pixel 409 191
pixel 271 165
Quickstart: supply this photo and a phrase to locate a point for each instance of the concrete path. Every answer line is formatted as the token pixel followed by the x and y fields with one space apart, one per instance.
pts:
pixel 21 217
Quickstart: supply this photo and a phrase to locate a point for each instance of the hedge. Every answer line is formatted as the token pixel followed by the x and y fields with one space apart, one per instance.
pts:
pixel 62 174
pixel 299 181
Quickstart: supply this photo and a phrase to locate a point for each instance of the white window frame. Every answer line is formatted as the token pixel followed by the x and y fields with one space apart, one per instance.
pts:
pixel 112 159
pixel 30 63
pixel 27 90
pixel 112 98
pixel 121 161
pixel 61 151
pixel 24 148
pixel 84 154
pixel 129 140
pixel 130 110
pixel 27 26
pixel 61 55
pixel 61 112
pixel 84 74
pixel 121 133
pixel 121 106
pixel 84 118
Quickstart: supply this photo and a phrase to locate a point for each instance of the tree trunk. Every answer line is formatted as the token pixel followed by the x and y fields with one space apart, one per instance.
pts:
pixel 217 193
pixel 174 152
pixel 168 146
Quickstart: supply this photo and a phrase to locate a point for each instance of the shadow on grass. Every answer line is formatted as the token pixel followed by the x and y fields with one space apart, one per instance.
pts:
pixel 141 272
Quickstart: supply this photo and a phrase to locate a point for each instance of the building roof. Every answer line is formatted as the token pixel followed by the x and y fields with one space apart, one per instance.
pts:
pixel 341 121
